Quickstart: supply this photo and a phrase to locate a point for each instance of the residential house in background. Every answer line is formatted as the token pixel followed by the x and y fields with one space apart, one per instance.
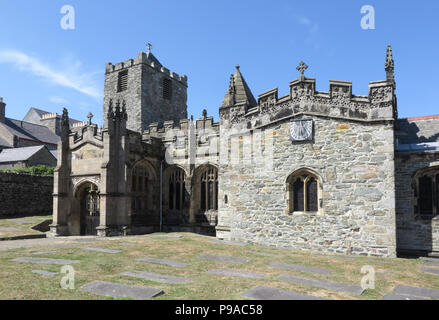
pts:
pixel 27 157
pixel 38 128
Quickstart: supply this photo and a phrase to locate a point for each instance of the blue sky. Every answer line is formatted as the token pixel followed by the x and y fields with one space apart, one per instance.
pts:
pixel 46 67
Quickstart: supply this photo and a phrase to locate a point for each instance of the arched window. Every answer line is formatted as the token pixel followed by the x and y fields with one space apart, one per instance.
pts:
pixel 303 192
pixel 176 190
pixel 209 189
pixel 427 192
pixel 141 189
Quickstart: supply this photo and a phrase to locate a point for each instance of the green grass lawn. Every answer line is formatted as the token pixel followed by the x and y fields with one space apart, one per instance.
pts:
pixel 21 229
pixel 19 283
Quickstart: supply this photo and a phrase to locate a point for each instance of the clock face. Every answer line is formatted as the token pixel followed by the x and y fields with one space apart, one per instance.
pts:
pixel 301 130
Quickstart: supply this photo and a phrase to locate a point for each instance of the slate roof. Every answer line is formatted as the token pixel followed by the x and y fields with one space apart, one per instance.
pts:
pixel 4 143
pixel 54 153
pixel 242 92
pixel 31 131
pixel 418 134
pixel 19 154
pixel 40 114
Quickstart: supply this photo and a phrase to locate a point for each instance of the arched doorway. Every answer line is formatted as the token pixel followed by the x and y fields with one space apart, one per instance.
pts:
pixel 89 209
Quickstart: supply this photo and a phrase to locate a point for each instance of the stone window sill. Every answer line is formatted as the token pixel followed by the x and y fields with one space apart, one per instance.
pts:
pixel 425 217
pixel 304 213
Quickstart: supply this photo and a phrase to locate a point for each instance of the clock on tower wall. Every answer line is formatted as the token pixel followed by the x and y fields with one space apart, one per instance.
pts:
pixel 301 130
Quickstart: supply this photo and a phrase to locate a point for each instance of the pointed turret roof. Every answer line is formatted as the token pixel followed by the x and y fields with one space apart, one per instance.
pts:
pixel 238 91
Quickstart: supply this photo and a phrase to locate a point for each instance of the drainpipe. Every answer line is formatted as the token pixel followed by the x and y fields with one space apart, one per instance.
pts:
pixel 161 196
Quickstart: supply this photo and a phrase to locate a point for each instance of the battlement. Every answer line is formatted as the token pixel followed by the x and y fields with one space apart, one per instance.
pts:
pixel 239 105
pixel 145 59
pixel 79 124
pixel 49 116
pixel 339 102
pixel 337 89
pixel 171 127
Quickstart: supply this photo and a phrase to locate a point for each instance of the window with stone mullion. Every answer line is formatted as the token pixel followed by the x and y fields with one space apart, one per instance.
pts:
pixel 209 190
pixel 304 194
pixel 176 190
pixel 141 194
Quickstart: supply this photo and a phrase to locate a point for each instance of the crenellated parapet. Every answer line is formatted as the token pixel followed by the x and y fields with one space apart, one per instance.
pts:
pixel 88 133
pixel 49 116
pixel 303 98
pixel 187 138
pixel 183 126
pixel 148 60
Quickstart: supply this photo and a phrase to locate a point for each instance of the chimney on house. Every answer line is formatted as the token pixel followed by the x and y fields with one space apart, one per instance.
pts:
pixel 52 121
pixel 2 111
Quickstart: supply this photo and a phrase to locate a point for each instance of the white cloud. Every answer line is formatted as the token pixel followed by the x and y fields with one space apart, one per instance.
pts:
pixel 58 100
pixel 82 83
pixel 313 27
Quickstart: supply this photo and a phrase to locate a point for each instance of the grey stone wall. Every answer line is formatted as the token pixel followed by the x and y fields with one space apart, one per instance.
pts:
pixel 144 94
pixel 413 233
pixel 352 153
pixel 190 146
pixel 43 157
pixel 355 164
pixel 28 195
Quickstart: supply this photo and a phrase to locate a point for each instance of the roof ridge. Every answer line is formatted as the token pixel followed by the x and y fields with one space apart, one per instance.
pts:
pixel 34 124
pixel 420 118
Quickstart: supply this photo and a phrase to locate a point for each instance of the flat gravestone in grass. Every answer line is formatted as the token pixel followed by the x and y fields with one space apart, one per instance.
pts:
pixel 265 254
pixel 392 296
pixel 45 260
pixel 335 286
pixel 23 221
pixel 64 245
pixel 430 258
pixel 299 268
pixel 156 277
pixel 164 236
pixel 230 243
pixel 430 263
pixel 102 250
pixel 116 290
pixel 8 229
pixel 267 293
pixel 44 272
pixel 223 258
pixel 237 273
pixel 171 263
pixel 43 252
pixel 416 292
pixel 430 270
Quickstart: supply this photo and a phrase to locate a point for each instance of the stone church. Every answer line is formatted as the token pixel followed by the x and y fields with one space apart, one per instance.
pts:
pixel 327 171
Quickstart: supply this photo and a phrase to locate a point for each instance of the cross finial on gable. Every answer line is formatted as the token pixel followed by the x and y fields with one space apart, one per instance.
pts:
pixel 149 47
pixel 89 116
pixel 301 68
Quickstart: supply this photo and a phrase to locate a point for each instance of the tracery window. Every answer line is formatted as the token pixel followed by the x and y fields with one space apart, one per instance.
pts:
pixel 176 190
pixel 303 192
pixel 427 193
pixel 141 189
pixel 209 189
